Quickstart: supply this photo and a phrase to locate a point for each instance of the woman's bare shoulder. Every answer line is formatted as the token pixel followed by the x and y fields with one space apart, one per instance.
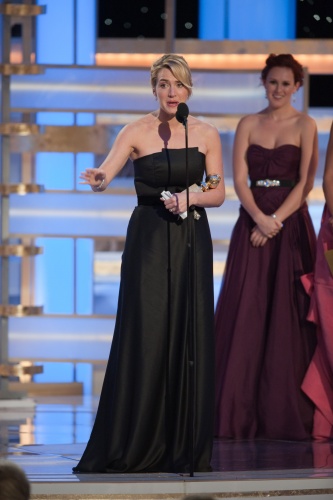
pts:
pixel 136 131
pixel 250 120
pixel 203 127
pixel 200 122
pixel 143 122
pixel 306 124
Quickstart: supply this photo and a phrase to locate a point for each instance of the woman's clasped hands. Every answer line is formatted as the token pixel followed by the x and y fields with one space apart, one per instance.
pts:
pixel 268 227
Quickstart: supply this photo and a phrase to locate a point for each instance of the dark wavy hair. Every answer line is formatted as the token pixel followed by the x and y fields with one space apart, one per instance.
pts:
pixel 14 484
pixel 284 61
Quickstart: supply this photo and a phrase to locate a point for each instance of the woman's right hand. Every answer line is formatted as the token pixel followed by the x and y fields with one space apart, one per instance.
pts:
pixel 94 178
pixel 269 225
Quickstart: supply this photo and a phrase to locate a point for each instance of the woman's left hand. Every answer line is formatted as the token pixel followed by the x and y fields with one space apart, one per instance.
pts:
pixel 177 203
pixel 257 238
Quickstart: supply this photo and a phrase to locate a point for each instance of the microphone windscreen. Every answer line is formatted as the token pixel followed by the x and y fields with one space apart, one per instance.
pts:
pixel 182 112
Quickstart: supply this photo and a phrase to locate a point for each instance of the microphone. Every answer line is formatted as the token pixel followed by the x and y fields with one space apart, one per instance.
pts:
pixel 182 113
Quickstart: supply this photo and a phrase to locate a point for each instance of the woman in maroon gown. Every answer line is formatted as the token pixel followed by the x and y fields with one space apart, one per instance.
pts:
pixel 264 343
pixel 318 382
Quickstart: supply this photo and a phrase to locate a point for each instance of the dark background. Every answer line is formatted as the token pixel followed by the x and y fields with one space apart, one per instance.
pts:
pixel 145 19
pixel 314 19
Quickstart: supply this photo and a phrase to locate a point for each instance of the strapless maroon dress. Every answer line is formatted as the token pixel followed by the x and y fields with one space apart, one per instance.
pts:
pixel 264 343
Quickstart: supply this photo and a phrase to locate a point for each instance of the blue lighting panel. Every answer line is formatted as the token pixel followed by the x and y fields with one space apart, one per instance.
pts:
pixel 65 35
pixel 86 31
pixel 52 118
pixel 212 19
pixel 55 33
pixel 54 277
pixel 258 20
pixel 55 170
pixel 85 119
pixel 83 161
pixel 84 276
pixel 1 27
pixel 58 32
pixel 247 19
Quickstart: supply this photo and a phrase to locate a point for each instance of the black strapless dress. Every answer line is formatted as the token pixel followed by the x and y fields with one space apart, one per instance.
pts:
pixel 264 343
pixel 142 422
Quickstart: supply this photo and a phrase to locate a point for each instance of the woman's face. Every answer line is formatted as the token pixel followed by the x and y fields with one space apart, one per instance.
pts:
pixel 169 91
pixel 280 86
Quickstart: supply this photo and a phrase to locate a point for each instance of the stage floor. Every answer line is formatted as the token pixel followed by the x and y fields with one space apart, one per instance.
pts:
pixel 47 440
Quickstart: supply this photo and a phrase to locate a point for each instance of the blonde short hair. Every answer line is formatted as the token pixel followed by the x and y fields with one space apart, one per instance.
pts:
pixel 178 67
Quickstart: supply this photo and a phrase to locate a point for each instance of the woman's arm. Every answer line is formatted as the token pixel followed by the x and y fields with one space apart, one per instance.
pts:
pixel 308 167
pixel 214 165
pixel 99 178
pixel 328 174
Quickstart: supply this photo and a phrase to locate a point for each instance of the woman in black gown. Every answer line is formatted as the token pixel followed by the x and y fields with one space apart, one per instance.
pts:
pixel 142 422
pixel 264 343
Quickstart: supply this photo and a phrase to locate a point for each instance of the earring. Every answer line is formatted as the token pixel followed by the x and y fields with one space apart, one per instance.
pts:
pixel 294 97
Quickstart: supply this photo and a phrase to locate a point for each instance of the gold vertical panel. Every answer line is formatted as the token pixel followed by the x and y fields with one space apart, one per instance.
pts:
pixel 27 291
pixel 27 170
pixel 21 69
pixel 19 128
pixel 18 370
pixel 28 275
pixel 71 139
pixel 19 251
pixel 20 310
pixel 11 9
pixel 6 189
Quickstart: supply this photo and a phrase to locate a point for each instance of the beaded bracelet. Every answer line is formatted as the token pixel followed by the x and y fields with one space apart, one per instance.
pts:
pixel 101 185
pixel 275 217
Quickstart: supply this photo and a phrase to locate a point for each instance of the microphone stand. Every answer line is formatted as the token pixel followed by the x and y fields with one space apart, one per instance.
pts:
pixel 190 310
